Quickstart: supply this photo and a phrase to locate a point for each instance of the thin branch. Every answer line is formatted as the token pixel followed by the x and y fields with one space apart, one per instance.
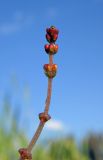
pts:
pixel 47 104
pixel 35 137
pixel 44 115
pixel 50 59
pixel 41 125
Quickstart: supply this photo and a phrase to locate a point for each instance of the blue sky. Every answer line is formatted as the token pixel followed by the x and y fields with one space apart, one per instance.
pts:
pixel 77 97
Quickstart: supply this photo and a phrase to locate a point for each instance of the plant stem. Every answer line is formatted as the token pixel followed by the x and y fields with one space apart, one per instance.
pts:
pixel 41 124
pixel 47 104
pixel 35 137
pixel 50 59
pixel 46 110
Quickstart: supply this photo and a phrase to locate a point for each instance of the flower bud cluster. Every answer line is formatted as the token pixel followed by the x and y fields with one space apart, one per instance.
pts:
pixel 51 49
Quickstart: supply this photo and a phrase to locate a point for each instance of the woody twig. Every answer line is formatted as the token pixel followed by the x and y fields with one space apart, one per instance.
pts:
pixel 50 71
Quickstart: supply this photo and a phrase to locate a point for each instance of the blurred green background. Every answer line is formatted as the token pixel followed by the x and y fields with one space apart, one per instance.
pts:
pixel 12 138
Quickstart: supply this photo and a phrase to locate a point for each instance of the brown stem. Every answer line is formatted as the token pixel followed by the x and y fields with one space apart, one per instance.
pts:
pixel 35 137
pixel 41 125
pixel 47 104
pixel 50 59
pixel 46 110
pixel 49 91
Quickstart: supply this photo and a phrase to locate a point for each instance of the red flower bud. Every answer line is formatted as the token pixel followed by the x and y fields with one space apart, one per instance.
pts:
pixel 25 154
pixel 50 70
pixel 48 38
pixel 44 117
pixel 46 48
pixel 46 67
pixel 51 48
pixel 54 67
pixel 52 34
pixel 54 37
pixel 56 48
pixel 52 30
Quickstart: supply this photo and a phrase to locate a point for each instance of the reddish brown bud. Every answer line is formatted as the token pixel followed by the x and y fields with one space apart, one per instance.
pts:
pixel 48 38
pixel 50 67
pixel 50 70
pixel 54 37
pixel 52 30
pixel 46 48
pixel 25 154
pixel 52 34
pixel 51 48
pixel 44 117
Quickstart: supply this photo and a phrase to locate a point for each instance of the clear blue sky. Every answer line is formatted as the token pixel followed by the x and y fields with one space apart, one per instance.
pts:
pixel 77 97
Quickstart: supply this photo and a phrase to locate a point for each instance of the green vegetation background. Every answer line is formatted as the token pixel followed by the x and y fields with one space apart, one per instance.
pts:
pixel 12 138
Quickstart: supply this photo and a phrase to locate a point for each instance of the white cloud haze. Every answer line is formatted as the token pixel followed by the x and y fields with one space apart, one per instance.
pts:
pixel 54 125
